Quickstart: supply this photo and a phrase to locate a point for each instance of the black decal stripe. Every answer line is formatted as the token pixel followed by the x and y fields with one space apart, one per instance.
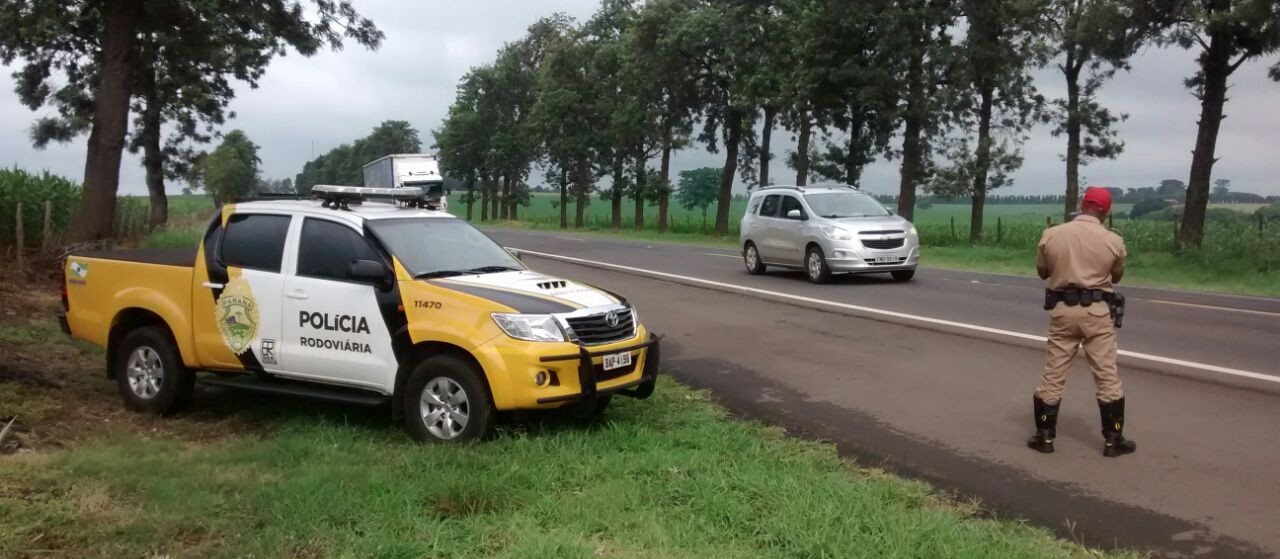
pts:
pixel 527 304
pixel 219 275
pixel 391 303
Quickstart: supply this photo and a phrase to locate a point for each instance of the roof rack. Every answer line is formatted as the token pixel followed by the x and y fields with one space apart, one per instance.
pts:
pixel 781 186
pixel 340 197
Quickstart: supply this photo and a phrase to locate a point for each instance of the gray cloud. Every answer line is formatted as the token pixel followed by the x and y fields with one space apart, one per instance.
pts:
pixel 306 106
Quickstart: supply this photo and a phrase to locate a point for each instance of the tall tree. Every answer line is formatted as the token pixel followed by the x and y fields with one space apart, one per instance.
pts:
pixel 97 46
pixel 1092 39
pixel 1227 33
pixel 994 98
pixel 723 38
pixel 698 189
pixel 344 165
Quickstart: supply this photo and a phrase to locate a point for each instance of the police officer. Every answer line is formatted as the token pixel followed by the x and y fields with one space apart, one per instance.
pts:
pixel 1081 259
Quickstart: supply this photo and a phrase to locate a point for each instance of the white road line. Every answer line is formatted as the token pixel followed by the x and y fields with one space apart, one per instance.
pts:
pixel 900 315
pixel 571 239
pixel 1212 307
pixel 734 256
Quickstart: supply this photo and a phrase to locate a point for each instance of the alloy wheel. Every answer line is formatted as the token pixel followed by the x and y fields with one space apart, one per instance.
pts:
pixel 445 408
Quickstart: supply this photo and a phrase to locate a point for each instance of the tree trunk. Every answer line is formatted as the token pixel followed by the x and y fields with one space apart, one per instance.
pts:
pixel 766 134
pixel 641 177
pixel 852 165
pixel 733 136
pixel 1073 136
pixel 1216 66
pixel 152 155
pixel 664 198
pixel 471 196
pixel 583 191
pixel 504 207
pixel 564 198
pixel 484 199
pixel 615 194
pixel 118 65
pixel 912 136
pixel 802 149
pixel 981 167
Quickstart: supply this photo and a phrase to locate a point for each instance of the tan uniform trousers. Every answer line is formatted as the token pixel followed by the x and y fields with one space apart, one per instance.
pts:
pixel 1069 329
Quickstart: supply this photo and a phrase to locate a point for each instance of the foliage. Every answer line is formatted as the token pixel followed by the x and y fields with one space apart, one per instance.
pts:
pixel 231 170
pixel 698 188
pixel 344 165
pixel 1148 206
pixel 32 191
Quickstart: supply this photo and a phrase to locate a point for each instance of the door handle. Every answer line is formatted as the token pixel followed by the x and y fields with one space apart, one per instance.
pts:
pixel 212 285
pixel 299 295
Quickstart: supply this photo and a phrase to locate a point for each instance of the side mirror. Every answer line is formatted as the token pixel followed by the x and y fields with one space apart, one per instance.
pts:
pixel 795 214
pixel 368 271
pixel 515 253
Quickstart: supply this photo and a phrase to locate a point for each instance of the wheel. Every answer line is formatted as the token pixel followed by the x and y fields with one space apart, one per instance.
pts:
pixel 903 275
pixel 150 374
pixel 751 257
pixel 446 401
pixel 815 265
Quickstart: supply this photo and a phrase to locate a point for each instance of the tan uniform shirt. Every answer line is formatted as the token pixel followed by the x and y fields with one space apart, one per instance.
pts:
pixel 1081 253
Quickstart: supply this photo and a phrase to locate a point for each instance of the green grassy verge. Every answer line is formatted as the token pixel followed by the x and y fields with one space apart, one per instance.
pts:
pixel 668 477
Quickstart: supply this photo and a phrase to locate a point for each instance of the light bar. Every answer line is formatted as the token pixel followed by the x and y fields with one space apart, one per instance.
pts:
pixel 402 193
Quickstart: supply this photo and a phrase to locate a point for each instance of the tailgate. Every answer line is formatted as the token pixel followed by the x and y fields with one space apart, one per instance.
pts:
pixel 99 285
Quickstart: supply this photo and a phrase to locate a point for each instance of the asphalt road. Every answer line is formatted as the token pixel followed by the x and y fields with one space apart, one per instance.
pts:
pixel 951 404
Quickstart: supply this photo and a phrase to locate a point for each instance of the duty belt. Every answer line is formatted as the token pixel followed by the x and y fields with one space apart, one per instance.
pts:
pixel 1085 297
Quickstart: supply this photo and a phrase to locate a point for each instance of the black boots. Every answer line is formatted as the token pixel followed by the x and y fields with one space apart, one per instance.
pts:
pixel 1046 426
pixel 1112 429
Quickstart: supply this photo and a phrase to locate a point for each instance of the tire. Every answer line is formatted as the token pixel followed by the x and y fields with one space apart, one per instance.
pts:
pixel 815 266
pixel 751 258
pixel 903 275
pixel 150 374
pixel 447 401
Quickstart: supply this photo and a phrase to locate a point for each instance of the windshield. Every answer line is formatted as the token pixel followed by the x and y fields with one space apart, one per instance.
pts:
pixel 844 204
pixel 441 247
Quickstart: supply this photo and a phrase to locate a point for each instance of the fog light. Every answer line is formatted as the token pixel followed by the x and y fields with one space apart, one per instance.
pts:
pixel 838 255
pixel 540 379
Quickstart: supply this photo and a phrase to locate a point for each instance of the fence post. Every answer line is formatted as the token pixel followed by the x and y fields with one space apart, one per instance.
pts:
pixel 999 230
pixel 48 226
pixel 18 240
pixel 953 227
pixel 1048 221
pixel 1111 221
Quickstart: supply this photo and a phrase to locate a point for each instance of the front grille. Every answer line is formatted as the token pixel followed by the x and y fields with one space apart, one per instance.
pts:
pixel 884 232
pixel 883 244
pixel 595 329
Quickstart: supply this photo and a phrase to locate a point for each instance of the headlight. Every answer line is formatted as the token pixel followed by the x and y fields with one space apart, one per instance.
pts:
pixel 530 327
pixel 836 233
pixel 911 230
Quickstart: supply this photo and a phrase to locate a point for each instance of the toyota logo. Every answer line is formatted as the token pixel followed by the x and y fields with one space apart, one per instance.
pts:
pixel 611 319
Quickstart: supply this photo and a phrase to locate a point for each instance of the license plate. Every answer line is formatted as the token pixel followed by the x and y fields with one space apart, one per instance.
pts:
pixel 887 260
pixel 617 361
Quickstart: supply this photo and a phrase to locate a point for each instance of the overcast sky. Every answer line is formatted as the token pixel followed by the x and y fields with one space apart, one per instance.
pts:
pixel 305 106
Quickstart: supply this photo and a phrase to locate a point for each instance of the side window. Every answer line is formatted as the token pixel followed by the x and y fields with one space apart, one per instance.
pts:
pixel 755 205
pixel 790 203
pixel 327 249
pixel 770 206
pixel 255 241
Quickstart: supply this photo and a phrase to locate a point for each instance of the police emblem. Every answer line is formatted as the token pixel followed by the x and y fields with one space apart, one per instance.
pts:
pixel 237 315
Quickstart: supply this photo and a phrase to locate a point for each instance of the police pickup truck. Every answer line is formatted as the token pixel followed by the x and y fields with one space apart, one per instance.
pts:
pixel 347 299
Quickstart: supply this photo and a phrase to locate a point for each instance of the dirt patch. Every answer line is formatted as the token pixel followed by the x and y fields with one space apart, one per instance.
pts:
pixel 57 387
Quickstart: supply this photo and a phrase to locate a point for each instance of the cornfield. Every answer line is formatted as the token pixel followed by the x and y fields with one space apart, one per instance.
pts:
pixel 33 191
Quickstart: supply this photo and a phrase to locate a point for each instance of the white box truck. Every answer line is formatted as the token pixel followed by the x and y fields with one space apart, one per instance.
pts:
pixel 409 169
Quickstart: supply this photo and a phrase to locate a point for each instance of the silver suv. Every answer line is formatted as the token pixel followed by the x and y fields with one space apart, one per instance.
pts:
pixel 826 229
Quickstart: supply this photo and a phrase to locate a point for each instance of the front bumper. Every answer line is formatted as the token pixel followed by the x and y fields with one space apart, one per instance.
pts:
pixel 573 373
pixel 851 256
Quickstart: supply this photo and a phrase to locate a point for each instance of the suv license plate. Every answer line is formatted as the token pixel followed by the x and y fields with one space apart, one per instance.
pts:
pixel 617 361
pixel 887 260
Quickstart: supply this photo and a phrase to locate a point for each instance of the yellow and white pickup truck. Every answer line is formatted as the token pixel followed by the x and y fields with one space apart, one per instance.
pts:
pixel 347 299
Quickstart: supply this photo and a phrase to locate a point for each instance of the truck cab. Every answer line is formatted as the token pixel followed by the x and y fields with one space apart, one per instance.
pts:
pixel 348 299
pixel 400 170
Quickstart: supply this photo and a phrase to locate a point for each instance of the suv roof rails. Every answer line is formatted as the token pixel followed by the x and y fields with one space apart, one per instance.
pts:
pixel 340 197
pixel 781 187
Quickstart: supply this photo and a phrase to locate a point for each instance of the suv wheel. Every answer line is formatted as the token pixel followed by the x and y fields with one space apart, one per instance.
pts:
pixel 903 275
pixel 815 266
pixel 446 401
pixel 150 374
pixel 751 257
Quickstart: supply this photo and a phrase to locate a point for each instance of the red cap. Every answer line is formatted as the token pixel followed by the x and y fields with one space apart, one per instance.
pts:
pixel 1098 197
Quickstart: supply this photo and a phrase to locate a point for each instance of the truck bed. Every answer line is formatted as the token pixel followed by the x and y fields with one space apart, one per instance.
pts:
pixel 184 257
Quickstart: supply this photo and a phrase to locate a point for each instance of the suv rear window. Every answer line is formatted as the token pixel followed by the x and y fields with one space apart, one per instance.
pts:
pixel 327 249
pixel 255 241
pixel 770 206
